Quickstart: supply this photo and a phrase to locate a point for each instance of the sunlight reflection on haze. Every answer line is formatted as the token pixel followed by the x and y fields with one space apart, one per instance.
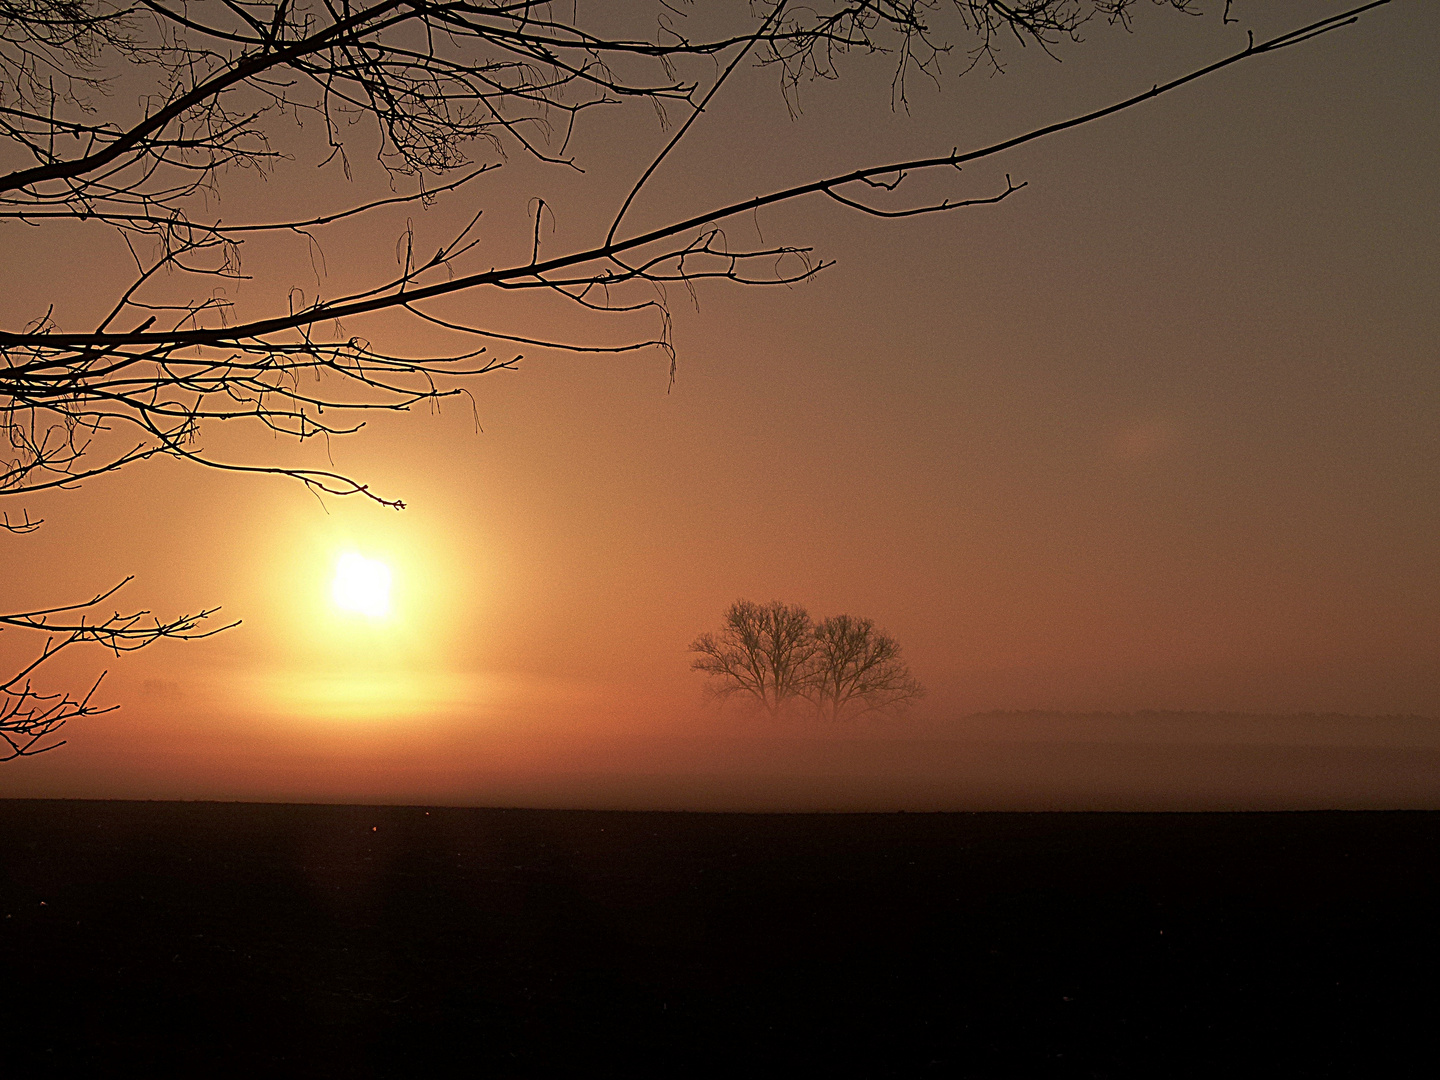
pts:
pixel 370 695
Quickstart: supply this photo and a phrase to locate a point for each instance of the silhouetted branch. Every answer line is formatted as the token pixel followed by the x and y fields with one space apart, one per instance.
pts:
pixel 29 718
pixel 531 273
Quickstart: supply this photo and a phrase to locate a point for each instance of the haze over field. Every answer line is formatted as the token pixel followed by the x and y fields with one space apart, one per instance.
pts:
pixel 1161 431
pixel 1000 761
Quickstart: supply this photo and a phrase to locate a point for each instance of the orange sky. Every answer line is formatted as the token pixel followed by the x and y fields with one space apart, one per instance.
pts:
pixel 1160 431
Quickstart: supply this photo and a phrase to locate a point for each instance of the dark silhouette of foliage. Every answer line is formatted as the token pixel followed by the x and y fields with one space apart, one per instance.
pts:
pixel 447 89
pixel 774 654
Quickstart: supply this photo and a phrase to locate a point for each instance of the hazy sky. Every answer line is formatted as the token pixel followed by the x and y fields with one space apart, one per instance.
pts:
pixel 1159 431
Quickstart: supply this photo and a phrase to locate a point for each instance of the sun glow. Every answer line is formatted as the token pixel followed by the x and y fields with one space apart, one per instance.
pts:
pixel 361 585
pixel 365 614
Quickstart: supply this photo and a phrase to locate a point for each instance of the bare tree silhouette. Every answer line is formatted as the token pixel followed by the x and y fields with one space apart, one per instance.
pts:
pixel 855 670
pixel 773 654
pixel 435 81
pixel 762 653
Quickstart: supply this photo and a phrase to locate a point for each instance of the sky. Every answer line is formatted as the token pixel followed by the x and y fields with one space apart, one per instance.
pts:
pixel 1158 432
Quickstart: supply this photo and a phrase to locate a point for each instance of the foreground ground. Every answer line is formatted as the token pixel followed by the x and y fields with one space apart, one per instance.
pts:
pixel 203 938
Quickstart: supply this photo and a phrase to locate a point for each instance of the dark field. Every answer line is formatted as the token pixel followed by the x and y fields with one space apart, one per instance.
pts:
pixel 204 938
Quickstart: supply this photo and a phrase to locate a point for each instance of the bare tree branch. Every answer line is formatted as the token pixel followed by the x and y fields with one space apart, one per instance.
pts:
pixel 29 717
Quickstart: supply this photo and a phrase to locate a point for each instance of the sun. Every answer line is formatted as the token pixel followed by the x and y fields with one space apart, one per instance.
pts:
pixel 361 585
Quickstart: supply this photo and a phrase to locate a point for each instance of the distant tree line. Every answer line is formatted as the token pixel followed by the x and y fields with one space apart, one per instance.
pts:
pixel 774 656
